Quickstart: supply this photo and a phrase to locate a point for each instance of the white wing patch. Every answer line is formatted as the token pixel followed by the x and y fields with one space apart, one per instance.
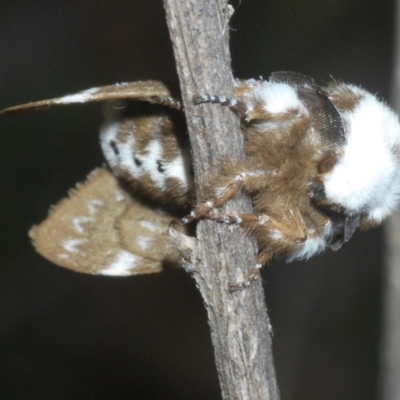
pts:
pixel 78 223
pixel 71 245
pixel 123 265
pixel 151 226
pixel 145 242
pixel 81 97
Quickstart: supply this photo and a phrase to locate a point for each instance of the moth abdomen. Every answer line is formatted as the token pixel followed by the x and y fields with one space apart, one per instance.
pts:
pixel 145 149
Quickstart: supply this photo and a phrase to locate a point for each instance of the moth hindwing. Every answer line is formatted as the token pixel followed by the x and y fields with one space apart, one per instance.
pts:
pixel 100 229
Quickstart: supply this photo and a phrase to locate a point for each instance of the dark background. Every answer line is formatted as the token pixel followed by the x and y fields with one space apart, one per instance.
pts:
pixel 69 336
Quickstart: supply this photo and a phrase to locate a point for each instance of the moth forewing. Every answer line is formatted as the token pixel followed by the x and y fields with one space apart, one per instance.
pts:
pixel 89 232
pixel 140 90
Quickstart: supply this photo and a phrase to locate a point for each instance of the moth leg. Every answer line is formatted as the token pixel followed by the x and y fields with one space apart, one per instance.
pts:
pixel 273 237
pixel 262 225
pixel 225 189
pixel 166 102
pixel 262 259
pixel 238 107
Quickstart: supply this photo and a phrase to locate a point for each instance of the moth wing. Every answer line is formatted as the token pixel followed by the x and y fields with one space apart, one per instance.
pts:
pixel 144 231
pixel 326 118
pixel 140 90
pixel 243 87
pixel 82 231
pixel 294 79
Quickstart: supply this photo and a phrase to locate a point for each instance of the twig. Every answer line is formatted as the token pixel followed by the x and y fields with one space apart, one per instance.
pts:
pixel 390 352
pixel 239 322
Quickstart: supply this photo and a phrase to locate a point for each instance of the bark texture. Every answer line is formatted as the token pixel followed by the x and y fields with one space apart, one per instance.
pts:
pixel 390 356
pixel 239 322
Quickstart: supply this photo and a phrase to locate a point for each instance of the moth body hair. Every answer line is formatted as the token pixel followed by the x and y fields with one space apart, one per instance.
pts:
pixel 366 178
pixel 315 244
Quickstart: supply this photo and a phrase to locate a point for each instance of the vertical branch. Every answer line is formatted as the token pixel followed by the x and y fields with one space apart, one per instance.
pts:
pixel 239 322
pixel 390 353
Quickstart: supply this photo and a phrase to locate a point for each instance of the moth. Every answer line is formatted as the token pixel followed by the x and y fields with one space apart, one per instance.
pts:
pixel 320 161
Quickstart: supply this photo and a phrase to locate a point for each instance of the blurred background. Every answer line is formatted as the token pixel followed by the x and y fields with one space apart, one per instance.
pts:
pixel 69 336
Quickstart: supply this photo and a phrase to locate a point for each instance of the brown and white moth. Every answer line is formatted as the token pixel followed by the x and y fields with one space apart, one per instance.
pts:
pixel 320 162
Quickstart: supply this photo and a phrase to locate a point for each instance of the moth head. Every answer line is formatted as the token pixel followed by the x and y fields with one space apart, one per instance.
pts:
pixel 364 177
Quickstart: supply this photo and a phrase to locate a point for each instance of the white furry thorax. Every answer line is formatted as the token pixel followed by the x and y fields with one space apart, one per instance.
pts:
pixel 366 178
pixel 277 98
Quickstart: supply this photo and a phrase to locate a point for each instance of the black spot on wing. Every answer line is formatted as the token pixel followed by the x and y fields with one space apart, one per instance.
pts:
pixel 114 146
pixel 160 166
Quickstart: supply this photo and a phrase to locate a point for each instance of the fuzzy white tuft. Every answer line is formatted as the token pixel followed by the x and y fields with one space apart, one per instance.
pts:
pixel 80 97
pixel 278 98
pixel 313 245
pixel 367 176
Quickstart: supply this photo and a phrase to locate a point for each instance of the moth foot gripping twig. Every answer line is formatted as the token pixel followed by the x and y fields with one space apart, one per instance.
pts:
pixel 254 273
